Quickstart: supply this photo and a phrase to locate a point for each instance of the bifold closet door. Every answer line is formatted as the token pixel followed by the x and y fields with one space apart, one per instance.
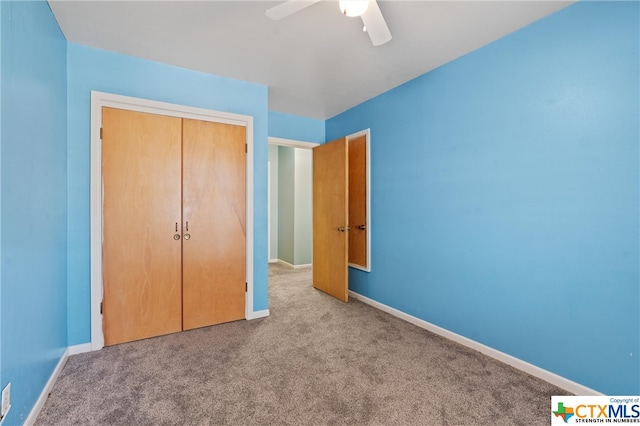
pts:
pixel 174 231
pixel 214 206
pixel 141 172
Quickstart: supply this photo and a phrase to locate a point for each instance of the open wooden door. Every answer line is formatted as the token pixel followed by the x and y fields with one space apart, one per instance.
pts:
pixel 330 218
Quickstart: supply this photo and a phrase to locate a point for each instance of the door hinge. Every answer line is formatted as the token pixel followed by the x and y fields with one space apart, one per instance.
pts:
pixel 246 287
pixel 246 148
pixel 100 307
pixel 101 133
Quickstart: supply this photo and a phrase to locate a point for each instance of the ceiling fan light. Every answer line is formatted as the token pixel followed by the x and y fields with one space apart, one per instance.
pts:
pixel 353 7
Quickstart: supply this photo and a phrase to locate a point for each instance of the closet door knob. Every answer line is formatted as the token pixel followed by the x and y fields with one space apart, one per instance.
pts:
pixel 176 236
pixel 187 236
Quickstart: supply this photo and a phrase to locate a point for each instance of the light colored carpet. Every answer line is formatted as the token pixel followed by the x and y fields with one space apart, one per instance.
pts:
pixel 314 361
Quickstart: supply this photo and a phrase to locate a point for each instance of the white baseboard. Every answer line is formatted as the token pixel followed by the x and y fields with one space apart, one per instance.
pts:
pixel 554 379
pixel 287 264
pixel 79 349
pixel 258 314
pixel 71 350
pixel 33 415
pixel 306 265
pixel 273 260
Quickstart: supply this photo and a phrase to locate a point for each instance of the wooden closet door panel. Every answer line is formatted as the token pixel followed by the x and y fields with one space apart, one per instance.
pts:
pixel 141 155
pixel 358 201
pixel 214 206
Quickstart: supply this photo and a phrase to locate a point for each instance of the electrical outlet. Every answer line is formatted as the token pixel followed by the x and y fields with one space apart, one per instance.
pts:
pixel 6 399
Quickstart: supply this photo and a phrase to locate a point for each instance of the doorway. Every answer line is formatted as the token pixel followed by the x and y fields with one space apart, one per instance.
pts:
pixel 289 202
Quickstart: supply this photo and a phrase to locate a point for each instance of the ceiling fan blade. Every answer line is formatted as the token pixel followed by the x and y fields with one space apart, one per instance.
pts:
pixel 376 26
pixel 288 8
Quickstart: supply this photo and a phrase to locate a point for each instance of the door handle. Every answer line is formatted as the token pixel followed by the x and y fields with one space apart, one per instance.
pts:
pixel 187 236
pixel 344 228
pixel 362 227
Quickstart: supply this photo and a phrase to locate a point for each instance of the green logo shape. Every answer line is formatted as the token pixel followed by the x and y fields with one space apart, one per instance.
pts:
pixel 564 412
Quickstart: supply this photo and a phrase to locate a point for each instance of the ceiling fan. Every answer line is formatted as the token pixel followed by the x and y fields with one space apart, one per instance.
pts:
pixel 368 10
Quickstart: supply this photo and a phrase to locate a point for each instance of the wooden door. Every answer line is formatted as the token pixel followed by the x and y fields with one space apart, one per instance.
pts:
pixel 141 210
pixel 214 206
pixel 330 218
pixel 358 201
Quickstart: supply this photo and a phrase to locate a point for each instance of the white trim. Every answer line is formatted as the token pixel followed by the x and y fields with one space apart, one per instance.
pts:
pixel 360 267
pixel 249 226
pixel 99 100
pixel 367 134
pixel 292 143
pixel 285 263
pixel 35 411
pixel 258 314
pixel 79 349
pixel 289 265
pixel 303 266
pixel 273 260
pixel 269 209
pixel 554 379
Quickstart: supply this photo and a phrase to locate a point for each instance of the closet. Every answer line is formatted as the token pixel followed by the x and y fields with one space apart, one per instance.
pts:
pixel 174 231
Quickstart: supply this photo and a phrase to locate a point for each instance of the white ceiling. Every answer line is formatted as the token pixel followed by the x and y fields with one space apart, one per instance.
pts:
pixel 316 63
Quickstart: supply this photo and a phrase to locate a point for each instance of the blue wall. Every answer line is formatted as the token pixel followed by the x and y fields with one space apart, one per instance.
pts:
pixel 3 24
pixel 33 189
pixel 294 127
pixel 505 191
pixel 93 69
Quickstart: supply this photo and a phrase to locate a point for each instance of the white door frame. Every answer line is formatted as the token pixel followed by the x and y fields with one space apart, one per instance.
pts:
pixel 99 100
pixel 292 143
pixel 268 211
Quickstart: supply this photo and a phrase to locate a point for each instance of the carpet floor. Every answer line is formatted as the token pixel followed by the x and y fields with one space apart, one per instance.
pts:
pixel 313 361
